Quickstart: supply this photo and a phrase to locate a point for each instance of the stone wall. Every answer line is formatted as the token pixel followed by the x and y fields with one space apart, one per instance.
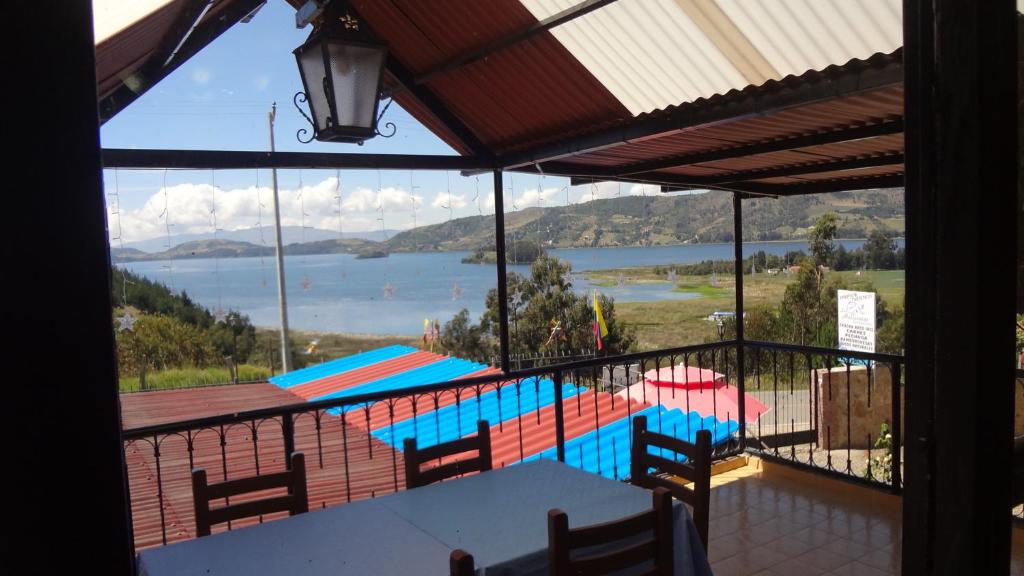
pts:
pixel 870 406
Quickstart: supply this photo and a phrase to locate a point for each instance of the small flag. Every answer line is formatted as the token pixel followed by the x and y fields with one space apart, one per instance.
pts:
pixel 600 328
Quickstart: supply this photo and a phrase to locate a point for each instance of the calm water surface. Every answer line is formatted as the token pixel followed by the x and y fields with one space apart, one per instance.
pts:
pixel 337 293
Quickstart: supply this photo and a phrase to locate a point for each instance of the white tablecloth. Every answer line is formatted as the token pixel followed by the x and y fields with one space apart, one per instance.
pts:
pixel 357 539
pixel 500 517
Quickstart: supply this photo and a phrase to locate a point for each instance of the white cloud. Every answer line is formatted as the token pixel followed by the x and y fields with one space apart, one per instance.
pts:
pixel 202 76
pixel 365 200
pixel 529 198
pixel 599 191
pixel 446 200
pixel 644 190
pixel 261 82
pixel 189 209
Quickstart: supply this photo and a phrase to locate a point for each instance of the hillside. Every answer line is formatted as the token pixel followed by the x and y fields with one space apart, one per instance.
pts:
pixel 625 221
pixel 234 249
pixel 661 220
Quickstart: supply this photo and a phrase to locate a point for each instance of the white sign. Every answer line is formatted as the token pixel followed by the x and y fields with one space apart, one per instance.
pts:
pixel 856 320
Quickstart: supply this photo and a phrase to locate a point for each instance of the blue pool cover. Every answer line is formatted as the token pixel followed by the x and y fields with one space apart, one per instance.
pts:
pixel 605 451
pixel 458 420
pixel 440 371
pixel 341 365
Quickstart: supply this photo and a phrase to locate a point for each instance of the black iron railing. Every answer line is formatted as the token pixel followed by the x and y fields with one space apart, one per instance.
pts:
pixel 837 411
pixel 558 411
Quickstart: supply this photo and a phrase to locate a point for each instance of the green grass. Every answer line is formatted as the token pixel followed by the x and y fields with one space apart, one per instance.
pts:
pixel 671 323
pixel 189 377
pixel 705 290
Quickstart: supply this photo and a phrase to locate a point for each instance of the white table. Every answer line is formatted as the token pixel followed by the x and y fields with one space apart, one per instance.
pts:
pixel 500 517
pixel 357 539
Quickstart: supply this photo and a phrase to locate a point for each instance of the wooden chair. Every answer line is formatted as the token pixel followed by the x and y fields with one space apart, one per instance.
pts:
pixel 696 469
pixel 295 502
pixel 657 548
pixel 415 457
pixel 461 563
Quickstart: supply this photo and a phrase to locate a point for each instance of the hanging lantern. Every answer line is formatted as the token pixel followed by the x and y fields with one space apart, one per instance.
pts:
pixel 341 66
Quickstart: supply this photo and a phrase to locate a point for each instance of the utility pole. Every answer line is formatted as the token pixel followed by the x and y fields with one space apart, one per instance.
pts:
pixel 286 357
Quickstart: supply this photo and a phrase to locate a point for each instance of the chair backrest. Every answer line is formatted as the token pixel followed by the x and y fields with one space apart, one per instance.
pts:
pixel 416 457
pixel 460 563
pixel 696 469
pixel 294 502
pixel 656 547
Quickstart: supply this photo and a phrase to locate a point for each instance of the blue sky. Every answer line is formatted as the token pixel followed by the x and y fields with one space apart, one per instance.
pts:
pixel 220 99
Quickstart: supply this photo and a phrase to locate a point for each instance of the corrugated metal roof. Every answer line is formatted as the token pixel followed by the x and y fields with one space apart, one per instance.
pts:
pixel 864 109
pixel 649 54
pixel 128 34
pixel 112 16
pixel 656 53
pixel 531 92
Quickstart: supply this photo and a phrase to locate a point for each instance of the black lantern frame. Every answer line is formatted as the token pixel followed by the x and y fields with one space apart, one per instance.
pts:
pixel 338 30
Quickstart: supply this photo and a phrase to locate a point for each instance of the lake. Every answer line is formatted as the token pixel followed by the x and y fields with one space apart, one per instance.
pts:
pixel 338 293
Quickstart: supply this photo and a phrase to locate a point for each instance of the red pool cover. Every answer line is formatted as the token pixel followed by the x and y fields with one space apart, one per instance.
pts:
pixel 331 384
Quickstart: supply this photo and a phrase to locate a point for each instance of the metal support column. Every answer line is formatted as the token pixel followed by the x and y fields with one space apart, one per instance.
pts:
pixel 741 373
pixel 499 246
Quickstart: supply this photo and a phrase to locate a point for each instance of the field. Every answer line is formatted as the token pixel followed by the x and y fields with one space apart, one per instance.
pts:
pixel 672 323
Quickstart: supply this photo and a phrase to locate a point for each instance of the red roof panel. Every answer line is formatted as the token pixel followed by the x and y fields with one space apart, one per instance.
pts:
pixel 532 92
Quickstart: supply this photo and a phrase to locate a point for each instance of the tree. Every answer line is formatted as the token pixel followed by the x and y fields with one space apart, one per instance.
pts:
pixel 880 251
pixel 891 332
pixel 461 337
pixel 545 300
pixel 159 342
pixel 822 238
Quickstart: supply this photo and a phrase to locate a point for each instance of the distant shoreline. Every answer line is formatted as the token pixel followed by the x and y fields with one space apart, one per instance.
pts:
pixel 157 257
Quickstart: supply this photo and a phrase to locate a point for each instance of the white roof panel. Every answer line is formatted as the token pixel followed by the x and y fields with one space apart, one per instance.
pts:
pixel 652 54
pixel 648 53
pixel 111 16
pixel 800 35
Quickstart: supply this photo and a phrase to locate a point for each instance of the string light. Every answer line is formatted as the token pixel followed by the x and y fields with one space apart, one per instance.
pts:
pixel 219 313
pixel 127 321
pixel 341 234
pixel 166 215
pixel 389 289
pixel 307 282
pixel 259 226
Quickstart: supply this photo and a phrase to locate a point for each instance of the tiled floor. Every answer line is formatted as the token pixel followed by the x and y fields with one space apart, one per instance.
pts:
pixel 768 519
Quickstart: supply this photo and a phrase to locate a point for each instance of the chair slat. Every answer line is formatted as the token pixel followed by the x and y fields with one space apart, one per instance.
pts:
pixel 614 530
pixel 678 491
pixel 697 469
pixel 449 470
pixel 670 443
pixel 415 457
pixel 448 448
pixel 251 508
pixel 656 549
pixel 617 560
pixel 686 471
pixel 251 484
pixel 295 502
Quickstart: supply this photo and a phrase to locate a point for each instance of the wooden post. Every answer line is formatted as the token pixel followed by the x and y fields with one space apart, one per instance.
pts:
pixel 961 121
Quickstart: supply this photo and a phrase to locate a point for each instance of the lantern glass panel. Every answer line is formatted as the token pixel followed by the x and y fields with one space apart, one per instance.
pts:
pixel 311 59
pixel 355 72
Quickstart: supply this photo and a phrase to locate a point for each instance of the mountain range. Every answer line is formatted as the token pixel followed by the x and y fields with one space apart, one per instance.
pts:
pixel 623 221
